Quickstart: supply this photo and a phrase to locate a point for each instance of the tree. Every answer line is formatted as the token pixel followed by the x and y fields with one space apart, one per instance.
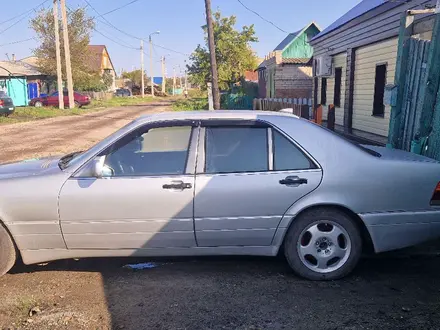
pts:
pixel 233 53
pixel 80 27
pixel 107 79
pixel 135 77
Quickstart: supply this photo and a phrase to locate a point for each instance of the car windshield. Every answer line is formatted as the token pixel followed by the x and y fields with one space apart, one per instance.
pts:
pixel 3 94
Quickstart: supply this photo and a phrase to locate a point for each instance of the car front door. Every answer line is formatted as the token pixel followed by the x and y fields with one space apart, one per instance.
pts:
pixel 248 175
pixel 143 200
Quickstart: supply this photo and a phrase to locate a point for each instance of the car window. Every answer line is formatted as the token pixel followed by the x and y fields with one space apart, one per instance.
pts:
pixel 3 94
pixel 54 94
pixel 236 149
pixel 160 151
pixel 65 93
pixel 287 156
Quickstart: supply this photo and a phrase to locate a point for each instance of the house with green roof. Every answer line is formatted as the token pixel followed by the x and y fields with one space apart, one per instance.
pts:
pixel 286 72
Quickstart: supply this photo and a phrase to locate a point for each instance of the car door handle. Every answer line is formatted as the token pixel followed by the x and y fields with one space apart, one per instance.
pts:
pixel 293 180
pixel 178 185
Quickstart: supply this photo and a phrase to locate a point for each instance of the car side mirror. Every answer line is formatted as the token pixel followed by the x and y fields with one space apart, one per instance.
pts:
pixel 98 166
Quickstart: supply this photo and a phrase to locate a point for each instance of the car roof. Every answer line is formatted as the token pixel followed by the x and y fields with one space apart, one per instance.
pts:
pixel 218 114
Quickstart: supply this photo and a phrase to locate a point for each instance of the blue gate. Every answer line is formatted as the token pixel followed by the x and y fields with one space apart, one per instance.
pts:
pixel 32 90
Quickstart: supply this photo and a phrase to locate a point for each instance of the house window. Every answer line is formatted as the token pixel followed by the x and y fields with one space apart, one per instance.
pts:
pixel 324 91
pixel 379 90
pixel 337 93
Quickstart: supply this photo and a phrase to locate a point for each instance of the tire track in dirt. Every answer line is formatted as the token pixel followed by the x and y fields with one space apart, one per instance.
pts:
pixel 65 134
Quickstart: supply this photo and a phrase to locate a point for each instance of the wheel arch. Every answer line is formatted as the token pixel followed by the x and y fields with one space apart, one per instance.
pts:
pixel 17 250
pixel 367 242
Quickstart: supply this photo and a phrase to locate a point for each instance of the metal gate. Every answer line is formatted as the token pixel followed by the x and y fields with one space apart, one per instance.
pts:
pixel 414 90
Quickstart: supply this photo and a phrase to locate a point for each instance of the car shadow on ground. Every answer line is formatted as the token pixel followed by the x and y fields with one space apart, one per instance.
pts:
pixel 262 293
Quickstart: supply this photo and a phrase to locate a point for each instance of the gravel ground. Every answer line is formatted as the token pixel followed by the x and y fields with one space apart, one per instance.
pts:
pixel 393 291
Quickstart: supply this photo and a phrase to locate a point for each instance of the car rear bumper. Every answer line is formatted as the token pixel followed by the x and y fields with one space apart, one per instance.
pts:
pixel 396 230
pixel 7 109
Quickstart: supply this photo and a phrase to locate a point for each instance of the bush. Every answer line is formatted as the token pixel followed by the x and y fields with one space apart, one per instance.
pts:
pixel 191 104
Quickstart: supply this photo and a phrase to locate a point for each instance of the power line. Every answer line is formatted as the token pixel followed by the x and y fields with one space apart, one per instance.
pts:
pixel 123 6
pixel 116 42
pixel 171 50
pixel 107 22
pixel 17 42
pixel 121 42
pixel 266 20
pixel 24 13
pixel 27 14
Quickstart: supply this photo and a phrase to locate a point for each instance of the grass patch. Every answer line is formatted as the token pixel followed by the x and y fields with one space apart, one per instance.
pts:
pixel 118 102
pixel 191 104
pixel 24 305
pixel 22 114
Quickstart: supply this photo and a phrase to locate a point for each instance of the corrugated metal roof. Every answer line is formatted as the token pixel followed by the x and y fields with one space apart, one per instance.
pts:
pixel 297 61
pixel 17 68
pixel 287 40
pixel 358 10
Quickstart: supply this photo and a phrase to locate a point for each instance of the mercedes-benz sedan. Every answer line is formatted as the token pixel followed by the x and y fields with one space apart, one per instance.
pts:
pixel 220 183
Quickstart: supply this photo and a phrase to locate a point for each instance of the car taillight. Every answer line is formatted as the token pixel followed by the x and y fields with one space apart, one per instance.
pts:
pixel 435 200
pixel 2 103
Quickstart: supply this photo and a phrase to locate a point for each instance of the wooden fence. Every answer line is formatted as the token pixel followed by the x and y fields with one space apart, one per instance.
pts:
pixel 99 95
pixel 301 107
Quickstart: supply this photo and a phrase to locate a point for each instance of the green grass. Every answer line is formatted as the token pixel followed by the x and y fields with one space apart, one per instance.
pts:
pixel 32 113
pixel 191 104
pixel 118 102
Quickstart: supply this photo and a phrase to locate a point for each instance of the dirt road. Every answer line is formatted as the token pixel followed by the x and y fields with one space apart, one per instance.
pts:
pixel 199 293
pixel 66 134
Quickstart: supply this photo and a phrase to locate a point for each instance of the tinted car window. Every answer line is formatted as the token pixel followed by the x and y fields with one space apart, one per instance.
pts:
pixel 287 156
pixel 160 151
pixel 236 149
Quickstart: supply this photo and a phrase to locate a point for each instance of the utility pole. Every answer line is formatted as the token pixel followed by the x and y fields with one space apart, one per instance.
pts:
pixel 142 70
pixel 151 67
pixel 67 55
pixel 214 73
pixel 180 76
pixel 164 78
pixel 186 76
pixel 174 80
pixel 58 55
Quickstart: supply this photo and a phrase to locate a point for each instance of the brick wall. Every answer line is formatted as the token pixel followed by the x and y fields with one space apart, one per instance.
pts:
pixel 293 81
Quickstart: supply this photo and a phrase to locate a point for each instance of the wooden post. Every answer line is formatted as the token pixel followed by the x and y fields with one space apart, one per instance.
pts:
pixel 305 111
pixel 433 81
pixel 67 55
pixel 319 115
pixel 212 56
pixel 331 117
pixel 58 55
pixel 349 90
pixel 406 28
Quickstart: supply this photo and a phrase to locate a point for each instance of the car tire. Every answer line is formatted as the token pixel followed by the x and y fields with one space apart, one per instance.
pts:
pixel 323 244
pixel 77 104
pixel 8 253
pixel 38 104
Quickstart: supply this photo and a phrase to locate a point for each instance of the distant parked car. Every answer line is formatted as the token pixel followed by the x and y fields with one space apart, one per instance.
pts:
pixel 6 104
pixel 52 100
pixel 122 92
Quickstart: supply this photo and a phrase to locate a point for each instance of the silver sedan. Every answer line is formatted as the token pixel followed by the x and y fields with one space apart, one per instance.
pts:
pixel 220 183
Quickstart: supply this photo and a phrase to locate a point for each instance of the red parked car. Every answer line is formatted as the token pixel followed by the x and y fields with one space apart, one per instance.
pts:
pixel 52 100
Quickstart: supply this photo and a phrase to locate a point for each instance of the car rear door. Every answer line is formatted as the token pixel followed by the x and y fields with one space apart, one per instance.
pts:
pixel 248 175
pixel 145 200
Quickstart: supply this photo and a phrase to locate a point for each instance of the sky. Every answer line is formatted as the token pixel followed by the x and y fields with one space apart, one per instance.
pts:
pixel 179 23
